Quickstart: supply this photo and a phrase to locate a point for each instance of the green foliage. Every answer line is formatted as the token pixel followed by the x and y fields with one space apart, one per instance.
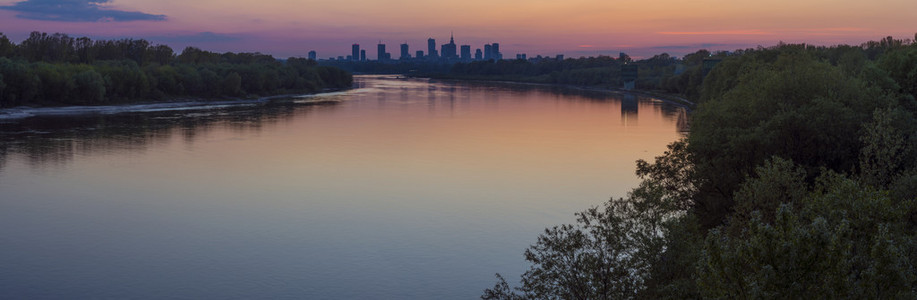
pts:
pixel 777 181
pixel 606 255
pixel 798 180
pixel 844 240
pixel 796 107
pixel 7 48
pixel 59 70
pixel 885 154
pixel 901 65
pixel 89 87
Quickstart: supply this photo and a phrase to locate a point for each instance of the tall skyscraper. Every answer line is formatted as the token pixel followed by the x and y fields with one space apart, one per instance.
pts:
pixel 380 51
pixel 495 47
pixel 355 49
pixel 431 48
pixel 478 55
pixel 488 52
pixel 405 53
pixel 362 55
pixel 449 50
pixel 419 54
pixel 466 52
pixel 312 55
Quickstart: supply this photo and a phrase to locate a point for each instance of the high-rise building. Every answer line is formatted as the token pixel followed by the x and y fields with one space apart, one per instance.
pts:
pixel 466 52
pixel 488 52
pixel 380 54
pixel 362 55
pixel 449 50
pixel 495 47
pixel 355 50
pixel 478 55
pixel 431 48
pixel 521 56
pixel 559 57
pixel 419 54
pixel 312 55
pixel 405 53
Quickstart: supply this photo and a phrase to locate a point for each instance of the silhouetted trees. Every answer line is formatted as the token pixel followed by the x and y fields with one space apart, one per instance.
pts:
pixel 797 180
pixel 56 69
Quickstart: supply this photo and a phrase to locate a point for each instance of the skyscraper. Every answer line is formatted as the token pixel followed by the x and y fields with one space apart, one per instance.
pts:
pixel 449 50
pixel 362 55
pixel 478 55
pixel 312 55
pixel 466 52
pixel 431 48
pixel 488 52
pixel 405 53
pixel 495 47
pixel 380 51
pixel 355 49
pixel 419 54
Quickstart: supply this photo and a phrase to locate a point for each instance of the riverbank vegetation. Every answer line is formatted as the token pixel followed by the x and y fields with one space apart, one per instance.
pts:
pixel 798 179
pixel 56 69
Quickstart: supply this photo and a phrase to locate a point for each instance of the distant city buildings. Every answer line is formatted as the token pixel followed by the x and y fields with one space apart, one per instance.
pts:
pixel 447 53
pixel 405 54
pixel 312 55
pixel 431 48
pixel 449 50
pixel 355 50
pixel 380 52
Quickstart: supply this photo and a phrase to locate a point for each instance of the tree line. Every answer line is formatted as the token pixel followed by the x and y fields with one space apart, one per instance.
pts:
pixel 663 72
pixel 56 69
pixel 798 179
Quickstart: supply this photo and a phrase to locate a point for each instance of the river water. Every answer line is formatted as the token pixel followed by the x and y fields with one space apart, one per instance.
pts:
pixel 397 189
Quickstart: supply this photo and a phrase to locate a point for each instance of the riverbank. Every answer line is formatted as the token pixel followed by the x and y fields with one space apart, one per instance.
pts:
pixel 22 112
pixel 668 97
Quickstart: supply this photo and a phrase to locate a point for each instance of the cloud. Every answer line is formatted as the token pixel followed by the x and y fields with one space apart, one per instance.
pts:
pixel 76 11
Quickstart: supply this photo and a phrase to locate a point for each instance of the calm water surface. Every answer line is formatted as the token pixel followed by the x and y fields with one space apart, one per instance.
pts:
pixel 398 189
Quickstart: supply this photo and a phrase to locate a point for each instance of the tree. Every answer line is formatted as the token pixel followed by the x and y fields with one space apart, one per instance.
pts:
pixel 797 107
pixel 7 48
pixel 610 253
pixel 844 240
pixel 90 87
pixel 606 255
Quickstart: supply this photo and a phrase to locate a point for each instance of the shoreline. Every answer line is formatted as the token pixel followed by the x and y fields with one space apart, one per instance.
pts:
pixel 179 104
pixel 671 98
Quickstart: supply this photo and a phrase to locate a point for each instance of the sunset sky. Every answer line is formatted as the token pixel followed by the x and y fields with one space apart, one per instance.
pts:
pixel 573 27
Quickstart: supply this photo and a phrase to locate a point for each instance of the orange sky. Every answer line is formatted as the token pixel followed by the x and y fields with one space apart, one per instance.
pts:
pixel 572 27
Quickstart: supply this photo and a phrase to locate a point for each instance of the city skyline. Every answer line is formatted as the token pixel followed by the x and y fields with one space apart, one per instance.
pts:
pixel 575 28
pixel 450 52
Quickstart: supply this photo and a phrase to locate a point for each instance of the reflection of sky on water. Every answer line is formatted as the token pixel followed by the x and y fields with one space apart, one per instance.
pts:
pixel 403 188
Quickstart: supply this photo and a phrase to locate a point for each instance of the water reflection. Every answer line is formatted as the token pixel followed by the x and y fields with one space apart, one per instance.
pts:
pixel 422 188
pixel 55 140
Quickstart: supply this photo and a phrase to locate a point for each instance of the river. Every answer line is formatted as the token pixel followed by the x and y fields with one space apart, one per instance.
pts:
pixel 396 189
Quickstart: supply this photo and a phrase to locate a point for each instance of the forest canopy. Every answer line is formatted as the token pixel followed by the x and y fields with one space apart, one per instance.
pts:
pixel 798 179
pixel 56 69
